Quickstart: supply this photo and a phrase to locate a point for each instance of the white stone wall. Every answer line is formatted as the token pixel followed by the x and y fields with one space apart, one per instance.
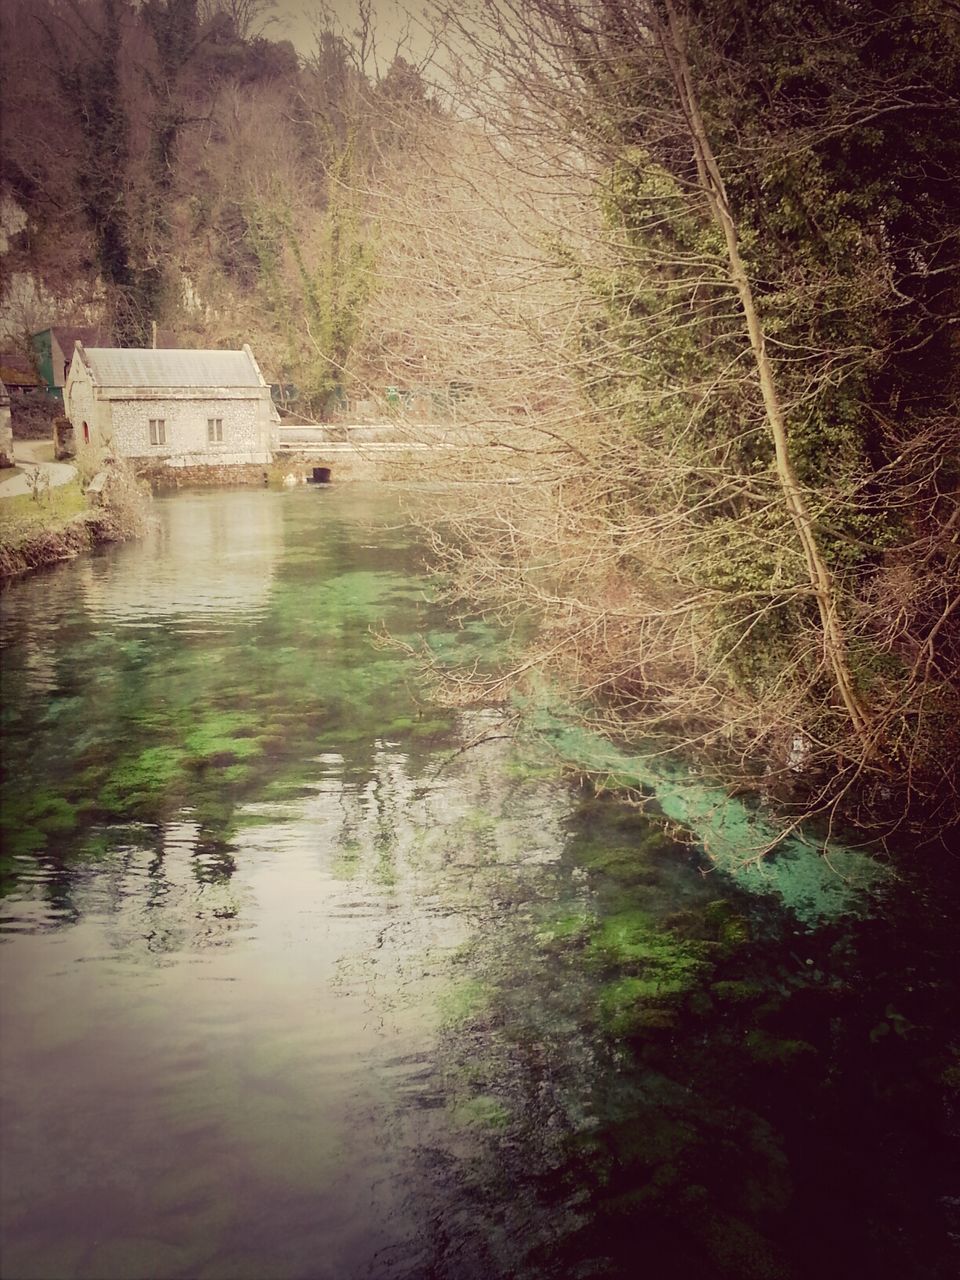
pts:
pixel 246 436
pixel 80 408
pixel 6 431
pixel 119 420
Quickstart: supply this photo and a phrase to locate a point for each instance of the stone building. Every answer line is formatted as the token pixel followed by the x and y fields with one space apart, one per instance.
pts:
pixel 18 373
pixel 53 351
pixel 6 429
pixel 178 409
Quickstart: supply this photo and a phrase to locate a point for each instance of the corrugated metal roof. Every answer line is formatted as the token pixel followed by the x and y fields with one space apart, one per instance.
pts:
pixel 146 367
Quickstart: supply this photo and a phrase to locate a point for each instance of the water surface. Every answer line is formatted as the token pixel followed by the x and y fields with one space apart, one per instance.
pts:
pixel 296 986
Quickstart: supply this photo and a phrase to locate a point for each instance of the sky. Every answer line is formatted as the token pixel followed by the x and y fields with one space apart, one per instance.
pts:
pixel 298 20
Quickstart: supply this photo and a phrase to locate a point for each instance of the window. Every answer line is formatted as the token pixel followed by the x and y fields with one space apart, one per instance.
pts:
pixel 214 431
pixel 158 431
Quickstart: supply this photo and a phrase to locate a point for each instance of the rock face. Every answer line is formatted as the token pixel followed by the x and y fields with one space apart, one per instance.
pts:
pixel 6 429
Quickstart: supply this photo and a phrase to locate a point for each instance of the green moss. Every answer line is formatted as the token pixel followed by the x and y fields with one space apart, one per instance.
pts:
pixel 346 862
pixel 477 822
pixel 655 1138
pixel 566 930
pixel 463 1001
pixel 732 991
pixel 629 1006
pixel 774 1051
pixel 142 779
pixel 27 820
pixel 481 1112
pixel 225 736
pixel 623 1003
pixel 236 773
pixel 385 870
pixel 19 842
pixel 632 938
pixel 623 863
pixel 655 968
pixel 522 769
pixel 52 814
pixel 435 727
pixel 813 888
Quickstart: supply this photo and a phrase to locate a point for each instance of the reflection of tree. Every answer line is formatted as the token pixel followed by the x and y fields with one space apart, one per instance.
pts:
pixel 175 893
pixel 647 1056
pixel 165 887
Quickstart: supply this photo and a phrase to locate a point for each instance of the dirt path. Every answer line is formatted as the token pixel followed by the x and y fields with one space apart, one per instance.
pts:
pixel 33 456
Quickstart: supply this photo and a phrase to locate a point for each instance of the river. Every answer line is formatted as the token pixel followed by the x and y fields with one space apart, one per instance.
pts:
pixel 305 976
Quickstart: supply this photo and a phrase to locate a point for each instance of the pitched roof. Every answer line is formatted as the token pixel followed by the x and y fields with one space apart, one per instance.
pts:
pixel 148 367
pixel 17 370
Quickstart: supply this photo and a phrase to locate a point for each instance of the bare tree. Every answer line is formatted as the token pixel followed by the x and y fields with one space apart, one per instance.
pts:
pixel 248 19
pixel 658 377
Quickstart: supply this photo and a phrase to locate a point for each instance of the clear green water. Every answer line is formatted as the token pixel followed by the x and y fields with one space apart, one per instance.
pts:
pixel 293 988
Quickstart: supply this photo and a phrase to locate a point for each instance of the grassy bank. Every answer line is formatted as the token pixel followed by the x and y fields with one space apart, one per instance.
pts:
pixel 61 523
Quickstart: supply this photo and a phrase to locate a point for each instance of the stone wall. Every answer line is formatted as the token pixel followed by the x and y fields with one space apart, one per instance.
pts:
pixel 162 476
pixel 64 439
pixel 80 409
pixel 6 431
pixel 245 435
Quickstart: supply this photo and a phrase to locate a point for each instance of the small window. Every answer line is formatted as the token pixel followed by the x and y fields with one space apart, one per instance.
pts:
pixel 214 430
pixel 158 431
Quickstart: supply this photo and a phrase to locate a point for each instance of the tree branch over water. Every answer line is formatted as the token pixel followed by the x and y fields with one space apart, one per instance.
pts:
pixel 714 255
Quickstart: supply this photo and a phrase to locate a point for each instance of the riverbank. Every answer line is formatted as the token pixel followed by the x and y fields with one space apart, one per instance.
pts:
pixel 48 518
pixel 48 526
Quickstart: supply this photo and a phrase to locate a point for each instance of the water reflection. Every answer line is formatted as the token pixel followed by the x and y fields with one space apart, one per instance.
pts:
pixel 268 1070
pixel 293 987
pixel 206 556
pixel 239 878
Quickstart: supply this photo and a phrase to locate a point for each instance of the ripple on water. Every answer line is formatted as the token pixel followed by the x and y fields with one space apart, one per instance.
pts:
pixel 210 561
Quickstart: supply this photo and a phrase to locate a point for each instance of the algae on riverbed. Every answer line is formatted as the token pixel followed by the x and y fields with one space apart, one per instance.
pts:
pixel 736 837
pixel 268 918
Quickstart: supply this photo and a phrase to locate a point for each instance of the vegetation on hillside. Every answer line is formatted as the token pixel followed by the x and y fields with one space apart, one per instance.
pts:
pixel 175 165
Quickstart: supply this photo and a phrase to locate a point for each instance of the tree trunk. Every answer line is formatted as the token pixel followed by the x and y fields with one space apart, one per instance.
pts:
pixel 672 42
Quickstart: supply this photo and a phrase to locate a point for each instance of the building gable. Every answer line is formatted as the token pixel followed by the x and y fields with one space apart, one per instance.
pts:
pixel 180 407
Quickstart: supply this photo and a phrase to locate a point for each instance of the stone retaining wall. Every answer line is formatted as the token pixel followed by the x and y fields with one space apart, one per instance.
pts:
pixel 64 441
pixel 403 465
pixel 161 476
